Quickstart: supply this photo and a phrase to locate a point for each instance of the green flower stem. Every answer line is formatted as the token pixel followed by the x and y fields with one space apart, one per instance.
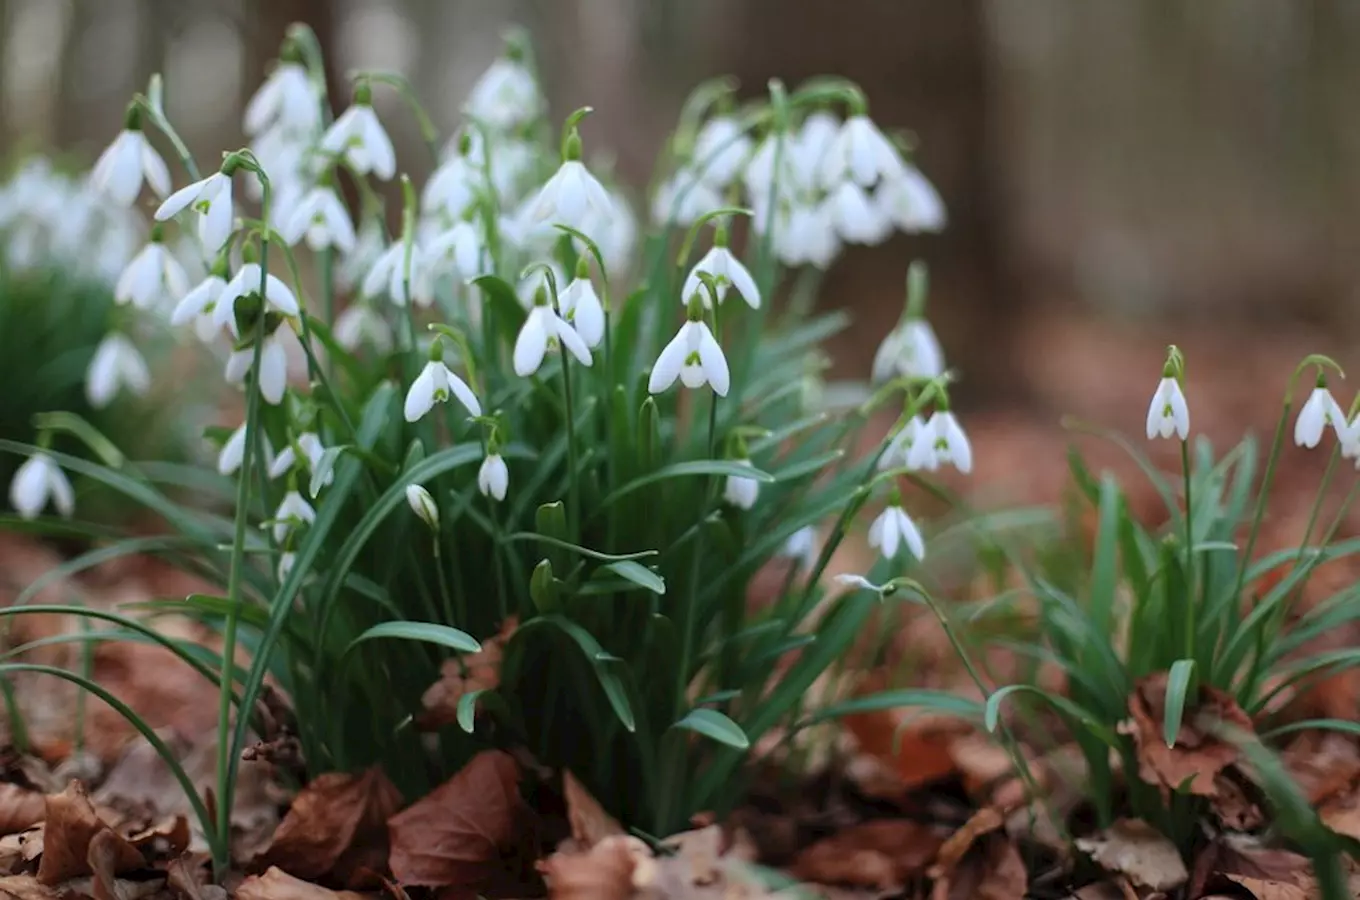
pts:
pixel 1276 444
pixel 327 263
pixel 445 597
pixel 151 106
pixel 1189 563
pixel 498 552
pixel 573 486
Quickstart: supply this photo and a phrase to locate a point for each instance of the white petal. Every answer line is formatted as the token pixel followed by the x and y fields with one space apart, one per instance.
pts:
pixel 459 388
pixel 669 362
pixel 280 297
pixel 532 343
pixel 571 340
pixel 28 490
pixel 179 201
pixel 420 396
pixel 273 371
pixel 157 175
pixel 911 535
pixel 714 362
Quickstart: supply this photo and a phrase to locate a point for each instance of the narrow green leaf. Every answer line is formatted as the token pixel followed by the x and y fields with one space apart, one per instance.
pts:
pixel 426 632
pixel 639 575
pixel 715 726
pixel 1078 717
pixel 1177 685
pixel 718 467
pixel 577 548
pixel 467 710
pixel 613 687
pixel 934 701
pixel 324 468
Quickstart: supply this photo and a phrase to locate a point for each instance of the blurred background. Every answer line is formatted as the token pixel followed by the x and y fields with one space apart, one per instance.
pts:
pixel 1118 175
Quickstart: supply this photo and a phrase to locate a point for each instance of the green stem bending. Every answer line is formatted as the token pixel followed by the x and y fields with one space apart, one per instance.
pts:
pixel 1189 556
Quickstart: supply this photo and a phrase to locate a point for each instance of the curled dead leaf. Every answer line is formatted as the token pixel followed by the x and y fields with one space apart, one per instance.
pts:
pixel 1134 848
pixel 480 671
pixel 26 887
pixel 609 870
pixel 884 854
pixel 187 876
pixel 1268 873
pixel 20 808
pixel 276 884
pixel 984 821
pixel 70 828
pixel 1198 756
pixel 463 834
pixel 978 862
pixel 336 824
pixel 590 824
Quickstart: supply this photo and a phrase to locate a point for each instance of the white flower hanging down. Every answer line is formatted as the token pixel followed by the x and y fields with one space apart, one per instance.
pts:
pixel 941 440
pixel 860 154
pixel 321 218
pixel 726 270
pixel 423 505
pixel 493 478
pixel 153 278
pixel 683 198
pixel 739 491
pixel 582 309
pixel 197 305
pixel 360 324
pixel 120 170
pixel 572 196
pixel 245 282
pixel 273 375
pixel 211 199
pixel 854 216
pixel 694 356
pixel 287 101
pixel 911 202
pixel 720 150
pixel 293 512
pixel 543 330
pixel 361 138
pixel 899 448
pixel 803 547
pixel 910 350
pixel 894 529
pixel 389 275
pixel 1319 412
pixel 116 364
pixel 233 452
pixel 458 248
pixel 312 451
pixel 435 384
pixel 36 483
pixel 506 94
pixel 1168 412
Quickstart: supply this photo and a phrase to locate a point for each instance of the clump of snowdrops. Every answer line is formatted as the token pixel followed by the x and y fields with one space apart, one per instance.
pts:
pixel 493 416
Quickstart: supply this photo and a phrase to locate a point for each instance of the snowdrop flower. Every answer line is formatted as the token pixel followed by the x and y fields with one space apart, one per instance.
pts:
pixel 233 452
pixel 858 154
pixel 940 441
pixel 433 385
pixel 389 274
pixel 726 270
pixel 245 282
pixel 453 187
pixel 694 356
pixel 581 307
pixel 287 560
pixel 739 491
pixel 211 199
pixel 544 329
pixel 360 324
pixel 198 304
pixel 153 277
pixel 293 512
pixel 683 198
pixel 856 582
pixel 36 483
pixel 1349 434
pixel 1320 411
pixel 809 236
pixel 493 478
pixel 899 448
pixel 536 281
pixel 1168 413
pixel 854 215
pixel 359 135
pixel 312 451
pixel 286 101
pixel 910 350
pixel 911 202
pixel 459 248
pixel 760 176
pixel 815 137
pixel 121 168
pixel 423 505
pixel 321 218
pixel 572 197
pixel 802 547
pixel 894 529
pixel 505 95
pixel 721 148
pixel 116 364
pixel 273 375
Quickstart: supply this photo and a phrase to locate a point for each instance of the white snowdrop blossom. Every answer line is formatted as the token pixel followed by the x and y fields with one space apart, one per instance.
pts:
pixel 360 324
pixel 359 135
pixel 233 452
pixel 505 95
pixel 695 357
pixel 808 236
pixel 287 101
pixel 531 284
pixel 1349 434
pixel 36 483
pixel 389 275
pixel 910 350
pixel 720 150
pixel 423 505
pixel 543 330
pixel 941 440
pixel 727 271
pixel 120 170
pixel 802 547
pixel 582 309
pixel 152 278
pixel 760 176
pixel 287 560
pixel 899 448
pixel 435 383
pixel 453 187
pixel 273 376
pixel 116 365
pixel 313 452
pixel 1318 412
pixel 493 478
pixel 211 199
pixel 911 203
pixel 458 248
pixel 572 197
pixel 859 154
pixel 739 491
pixel 814 139
pixel 854 215
pixel 294 511
pixel 1168 413
pixel 683 198
pixel 320 217
pixel 245 282
pixel 894 529
pixel 197 306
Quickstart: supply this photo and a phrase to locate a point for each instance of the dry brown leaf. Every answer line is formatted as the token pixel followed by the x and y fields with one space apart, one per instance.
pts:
pixel 590 824
pixel 166 839
pixel 106 857
pixel 1324 764
pixel 1270 874
pixel 917 749
pixel 952 851
pixel 20 808
pixel 458 834
pixel 604 872
pixel 188 875
pixel 1134 848
pixel 1342 815
pixel 1197 756
pixel 70 828
pixel 158 685
pixel 26 887
pixel 995 871
pixel 276 884
pixel 884 854
pixel 336 824
pixel 480 671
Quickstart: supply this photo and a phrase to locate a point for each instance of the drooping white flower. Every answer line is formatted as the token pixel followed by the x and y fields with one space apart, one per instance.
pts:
pixel 899 448
pixel 683 198
pixel 116 364
pixel 695 357
pixel 360 324
pixel 36 483
pixel 739 491
pixel 321 218
pixel 812 142
pixel 273 375
pixel 211 199
pixel 572 197
pixel 423 505
pixel 802 547
pixel 1319 411
pixel 910 350
pixel 537 281
pixel 505 95
pixel 245 282
pixel 458 248
pixel 452 187
pixel 859 154
pixel 1168 413
pixel 582 309
pixel 121 168
pixel 233 452
pixel 361 138
pixel 197 306
pixel 543 330
pixel 1349 434
pixel 727 271
pixel 493 478
pixel 894 529
pixel 286 101
pixel 941 440
pixel 287 560
pixel 911 202
pixel 760 174
pixel 312 451
pixel 294 511
pixel 389 275
pixel 153 277
pixel 720 150
pixel 854 215
pixel 808 237
pixel 435 383
pixel 856 582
